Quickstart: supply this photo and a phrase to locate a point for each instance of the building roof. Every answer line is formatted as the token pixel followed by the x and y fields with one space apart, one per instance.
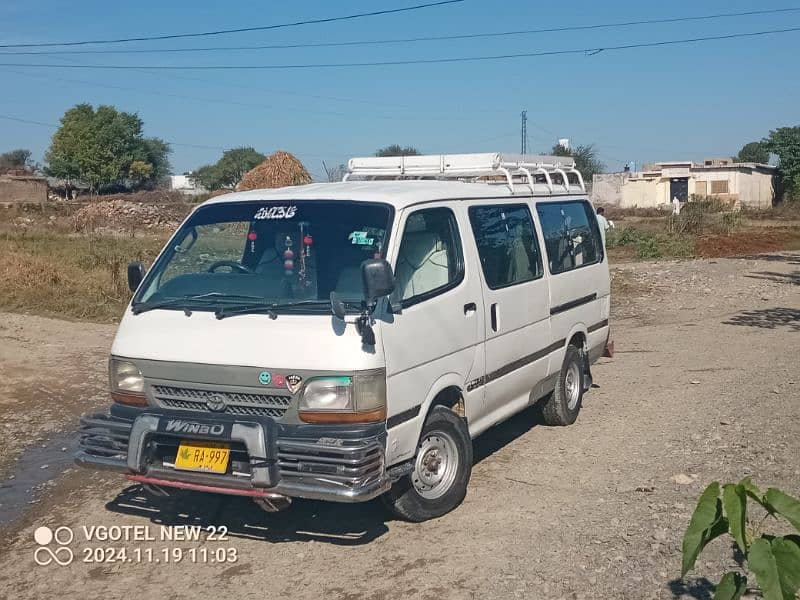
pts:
pixel 397 193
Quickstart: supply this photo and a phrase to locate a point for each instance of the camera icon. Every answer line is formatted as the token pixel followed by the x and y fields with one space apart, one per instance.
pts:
pixel 44 555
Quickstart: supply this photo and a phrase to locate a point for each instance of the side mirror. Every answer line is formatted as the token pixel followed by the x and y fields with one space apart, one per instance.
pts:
pixel 378 278
pixel 136 272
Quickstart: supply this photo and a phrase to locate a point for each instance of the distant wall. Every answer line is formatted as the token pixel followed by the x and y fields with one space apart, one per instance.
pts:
pixel 23 189
pixel 607 188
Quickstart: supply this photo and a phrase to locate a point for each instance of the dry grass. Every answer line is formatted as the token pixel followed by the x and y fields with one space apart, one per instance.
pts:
pixel 280 169
pixel 43 271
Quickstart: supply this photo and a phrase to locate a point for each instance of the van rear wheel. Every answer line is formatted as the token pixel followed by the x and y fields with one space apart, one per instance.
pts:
pixel 563 405
pixel 442 467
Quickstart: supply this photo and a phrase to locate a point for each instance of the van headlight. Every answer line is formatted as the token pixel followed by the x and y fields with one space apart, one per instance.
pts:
pixel 126 382
pixel 358 398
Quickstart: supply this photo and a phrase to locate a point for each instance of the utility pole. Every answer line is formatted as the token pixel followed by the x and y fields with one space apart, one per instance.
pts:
pixel 524 132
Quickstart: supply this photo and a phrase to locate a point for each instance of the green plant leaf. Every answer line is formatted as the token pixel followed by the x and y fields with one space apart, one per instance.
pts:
pixel 752 490
pixel 762 562
pixel 734 501
pixel 731 587
pixel 784 505
pixel 707 514
pixel 786 551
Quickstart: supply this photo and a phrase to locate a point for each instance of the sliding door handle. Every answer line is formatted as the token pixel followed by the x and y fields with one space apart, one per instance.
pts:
pixel 494 316
pixel 470 308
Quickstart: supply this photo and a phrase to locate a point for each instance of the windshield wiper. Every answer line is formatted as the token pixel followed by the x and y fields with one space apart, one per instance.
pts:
pixel 270 309
pixel 141 307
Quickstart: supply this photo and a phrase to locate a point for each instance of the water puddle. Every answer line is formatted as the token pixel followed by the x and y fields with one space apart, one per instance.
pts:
pixel 36 467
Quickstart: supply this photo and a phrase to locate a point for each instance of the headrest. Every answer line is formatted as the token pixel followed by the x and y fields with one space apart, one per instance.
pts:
pixel 418 246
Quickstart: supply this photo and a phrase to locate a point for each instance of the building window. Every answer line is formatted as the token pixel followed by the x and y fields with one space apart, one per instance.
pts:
pixel 506 243
pixel 719 187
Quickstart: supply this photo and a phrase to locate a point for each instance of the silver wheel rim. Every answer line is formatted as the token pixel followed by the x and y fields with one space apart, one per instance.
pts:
pixel 436 465
pixel 572 385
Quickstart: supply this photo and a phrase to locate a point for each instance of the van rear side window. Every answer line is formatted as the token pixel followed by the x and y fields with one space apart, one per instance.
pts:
pixel 571 235
pixel 507 244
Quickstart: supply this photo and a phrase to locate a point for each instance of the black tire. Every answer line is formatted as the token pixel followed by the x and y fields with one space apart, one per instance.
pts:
pixel 405 500
pixel 556 409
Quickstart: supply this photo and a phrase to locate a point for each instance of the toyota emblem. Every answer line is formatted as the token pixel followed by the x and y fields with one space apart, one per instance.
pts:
pixel 216 402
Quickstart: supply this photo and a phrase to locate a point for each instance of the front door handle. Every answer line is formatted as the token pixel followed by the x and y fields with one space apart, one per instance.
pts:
pixel 470 308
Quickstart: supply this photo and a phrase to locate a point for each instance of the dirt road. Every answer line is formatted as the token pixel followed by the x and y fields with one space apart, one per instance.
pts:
pixel 705 386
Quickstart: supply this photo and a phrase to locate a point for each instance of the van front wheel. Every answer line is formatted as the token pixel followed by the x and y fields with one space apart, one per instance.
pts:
pixel 563 405
pixel 441 472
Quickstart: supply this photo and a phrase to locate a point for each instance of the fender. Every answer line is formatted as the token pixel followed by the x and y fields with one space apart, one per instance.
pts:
pixel 404 436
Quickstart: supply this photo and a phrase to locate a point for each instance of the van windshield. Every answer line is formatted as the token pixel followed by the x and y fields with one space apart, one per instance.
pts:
pixel 284 254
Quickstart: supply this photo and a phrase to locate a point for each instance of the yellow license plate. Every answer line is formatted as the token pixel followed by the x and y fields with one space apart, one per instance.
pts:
pixel 203 456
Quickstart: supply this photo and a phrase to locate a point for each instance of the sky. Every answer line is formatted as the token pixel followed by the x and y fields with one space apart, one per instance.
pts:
pixel 679 102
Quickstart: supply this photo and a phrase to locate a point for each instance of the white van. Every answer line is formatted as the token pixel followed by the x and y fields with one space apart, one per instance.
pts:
pixel 343 341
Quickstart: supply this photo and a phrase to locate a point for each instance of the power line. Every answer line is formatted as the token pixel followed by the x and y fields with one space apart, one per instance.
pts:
pixel 160 94
pixel 200 146
pixel 457 59
pixel 173 36
pixel 413 39
pixel 55 126
pixel 18 120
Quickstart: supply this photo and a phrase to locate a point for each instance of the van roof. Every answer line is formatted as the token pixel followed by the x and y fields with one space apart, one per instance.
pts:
pixel 401 193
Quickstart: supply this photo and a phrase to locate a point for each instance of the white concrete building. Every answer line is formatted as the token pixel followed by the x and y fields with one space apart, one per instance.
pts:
pixel 740 184
pixel 185 185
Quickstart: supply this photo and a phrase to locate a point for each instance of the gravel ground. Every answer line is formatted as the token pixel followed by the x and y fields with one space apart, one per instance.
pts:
pixel 705 386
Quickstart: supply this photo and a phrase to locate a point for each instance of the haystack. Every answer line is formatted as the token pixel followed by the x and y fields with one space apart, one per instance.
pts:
pixel 280 169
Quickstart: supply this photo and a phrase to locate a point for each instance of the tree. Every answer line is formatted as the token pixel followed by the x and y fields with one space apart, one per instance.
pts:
pixel 15 159
pixel 100 146
pixel 754 152
pixel 397 150
pixel 586 160
pixel 228 171
pixel 155 152
pixel 785 142
pixel 336 173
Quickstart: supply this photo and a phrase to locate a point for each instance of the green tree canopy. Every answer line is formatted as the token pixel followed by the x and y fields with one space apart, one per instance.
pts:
pixel 586 159
pixel 105 147
pixel 228 171
pixel 15 159
pixel 754 152
pixel 785 142
pixel 397 150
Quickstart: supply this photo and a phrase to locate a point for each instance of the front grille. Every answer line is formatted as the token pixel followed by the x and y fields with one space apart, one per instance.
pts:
pixel 236 403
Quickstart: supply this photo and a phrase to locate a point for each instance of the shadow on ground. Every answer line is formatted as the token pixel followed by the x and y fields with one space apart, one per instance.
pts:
pixel 304 520
pixel 701 589
pixel 767 318
pixel 787 257
pixel 792 278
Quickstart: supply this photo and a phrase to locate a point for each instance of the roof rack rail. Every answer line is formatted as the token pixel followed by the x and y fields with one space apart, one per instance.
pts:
pixel 470 167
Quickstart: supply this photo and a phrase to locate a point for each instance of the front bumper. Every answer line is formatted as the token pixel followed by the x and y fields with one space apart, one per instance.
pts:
pixel 324 462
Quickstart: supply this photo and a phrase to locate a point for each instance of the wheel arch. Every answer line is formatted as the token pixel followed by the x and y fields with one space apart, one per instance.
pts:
pixel 447 390
pixel 578 336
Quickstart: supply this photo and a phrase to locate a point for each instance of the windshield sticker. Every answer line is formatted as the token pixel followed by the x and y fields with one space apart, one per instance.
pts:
pixel 275 212
pixel 360 238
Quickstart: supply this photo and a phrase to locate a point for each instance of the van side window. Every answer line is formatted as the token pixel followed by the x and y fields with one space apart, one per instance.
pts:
pixel 507 244
pixel 430 260
pixel 571 235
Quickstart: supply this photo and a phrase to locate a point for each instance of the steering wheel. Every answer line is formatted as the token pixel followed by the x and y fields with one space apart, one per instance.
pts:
pixel 236 266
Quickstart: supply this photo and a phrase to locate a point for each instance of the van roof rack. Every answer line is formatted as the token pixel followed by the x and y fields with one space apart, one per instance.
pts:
pixel 514 168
